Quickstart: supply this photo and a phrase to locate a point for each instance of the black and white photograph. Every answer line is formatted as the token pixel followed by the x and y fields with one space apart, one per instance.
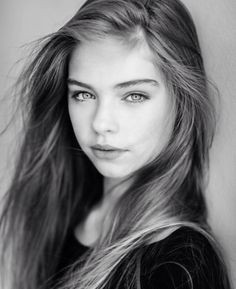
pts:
pixel 118 144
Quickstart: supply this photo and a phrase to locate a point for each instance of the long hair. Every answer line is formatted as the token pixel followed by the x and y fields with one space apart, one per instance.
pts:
pixel 55 184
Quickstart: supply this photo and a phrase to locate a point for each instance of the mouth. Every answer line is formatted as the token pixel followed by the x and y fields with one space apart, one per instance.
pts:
pixel 106 148
pixel 107 152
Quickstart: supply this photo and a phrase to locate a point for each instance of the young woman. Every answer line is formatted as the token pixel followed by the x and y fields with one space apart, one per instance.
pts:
pixel 109 186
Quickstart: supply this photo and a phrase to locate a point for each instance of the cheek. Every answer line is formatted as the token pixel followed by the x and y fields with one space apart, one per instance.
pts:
pixel 79 124
pixel 160 134
pixel 145 126
pixel 152 132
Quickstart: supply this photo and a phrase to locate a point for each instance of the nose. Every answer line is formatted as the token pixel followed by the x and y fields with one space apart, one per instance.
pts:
pixel 104 120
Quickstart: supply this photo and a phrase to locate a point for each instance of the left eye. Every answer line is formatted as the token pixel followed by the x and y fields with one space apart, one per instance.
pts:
pixel 135 97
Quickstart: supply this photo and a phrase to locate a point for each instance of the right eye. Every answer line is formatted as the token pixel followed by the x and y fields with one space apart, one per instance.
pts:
pixel 82 95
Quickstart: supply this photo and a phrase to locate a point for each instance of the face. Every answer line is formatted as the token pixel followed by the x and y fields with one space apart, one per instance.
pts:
pixel 119 107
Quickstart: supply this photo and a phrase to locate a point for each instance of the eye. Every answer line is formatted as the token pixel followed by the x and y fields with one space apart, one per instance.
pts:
pixel 82 95
pixel 136 97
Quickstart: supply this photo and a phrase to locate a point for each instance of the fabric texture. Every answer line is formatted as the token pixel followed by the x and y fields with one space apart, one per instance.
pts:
pixel 183 260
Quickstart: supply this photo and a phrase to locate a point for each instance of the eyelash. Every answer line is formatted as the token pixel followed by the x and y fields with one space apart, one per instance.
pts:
pixel 77 93
pixel 142 97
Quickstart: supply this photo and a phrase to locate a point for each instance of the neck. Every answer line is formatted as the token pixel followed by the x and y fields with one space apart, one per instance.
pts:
pixel 115 187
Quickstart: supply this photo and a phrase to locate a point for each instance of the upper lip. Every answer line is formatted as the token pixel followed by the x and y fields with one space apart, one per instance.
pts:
pixel 106 147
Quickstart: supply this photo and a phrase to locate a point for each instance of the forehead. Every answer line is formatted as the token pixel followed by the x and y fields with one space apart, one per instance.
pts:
pixel 112 60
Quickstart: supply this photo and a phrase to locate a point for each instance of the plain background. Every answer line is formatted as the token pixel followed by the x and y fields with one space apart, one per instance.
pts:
pixel 22 21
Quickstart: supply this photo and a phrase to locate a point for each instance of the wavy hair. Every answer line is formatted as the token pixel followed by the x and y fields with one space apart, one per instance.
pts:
pixel 55 184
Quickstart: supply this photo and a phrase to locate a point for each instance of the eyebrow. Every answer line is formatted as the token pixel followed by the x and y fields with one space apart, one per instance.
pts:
pixel 125 84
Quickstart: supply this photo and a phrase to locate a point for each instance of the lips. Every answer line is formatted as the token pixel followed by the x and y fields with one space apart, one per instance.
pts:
pixel 107 152
pixel 106 148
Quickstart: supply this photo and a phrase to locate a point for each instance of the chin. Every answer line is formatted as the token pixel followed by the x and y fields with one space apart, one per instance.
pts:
pixel 115 173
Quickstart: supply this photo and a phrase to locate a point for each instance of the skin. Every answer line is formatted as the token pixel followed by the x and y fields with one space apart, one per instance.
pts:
pixel 104 109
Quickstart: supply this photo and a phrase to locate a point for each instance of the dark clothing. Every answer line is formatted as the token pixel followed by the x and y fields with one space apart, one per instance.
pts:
pixel 183 260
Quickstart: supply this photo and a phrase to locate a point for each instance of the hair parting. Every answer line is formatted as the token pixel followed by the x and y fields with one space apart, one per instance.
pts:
pixel 55 184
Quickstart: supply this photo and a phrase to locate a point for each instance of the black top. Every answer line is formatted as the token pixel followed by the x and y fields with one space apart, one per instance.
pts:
pixel 183 260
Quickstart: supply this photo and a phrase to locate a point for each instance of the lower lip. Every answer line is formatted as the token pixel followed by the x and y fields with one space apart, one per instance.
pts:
pixel 108 155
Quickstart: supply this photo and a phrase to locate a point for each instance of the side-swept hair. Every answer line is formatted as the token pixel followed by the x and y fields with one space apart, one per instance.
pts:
pixel 55 184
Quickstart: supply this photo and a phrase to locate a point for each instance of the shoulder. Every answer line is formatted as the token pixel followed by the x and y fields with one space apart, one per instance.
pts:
pixel 185 259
